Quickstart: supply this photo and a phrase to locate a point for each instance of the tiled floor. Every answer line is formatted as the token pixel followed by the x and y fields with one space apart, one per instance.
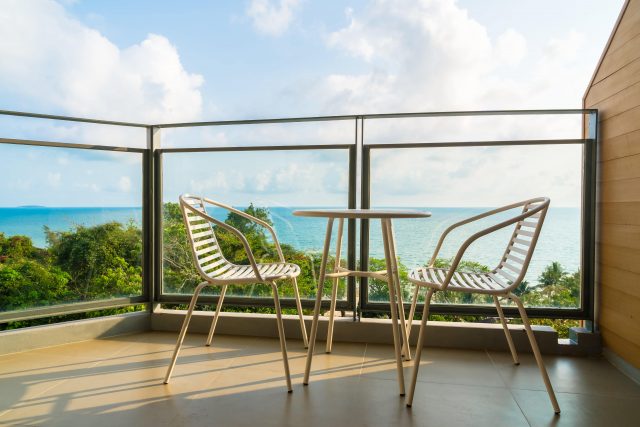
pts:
pixel 239 382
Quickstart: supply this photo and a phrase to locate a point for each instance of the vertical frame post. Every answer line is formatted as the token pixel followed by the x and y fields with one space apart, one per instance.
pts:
pixel 351 226
pixel 365 203
pixel 150 218
pixel 589 297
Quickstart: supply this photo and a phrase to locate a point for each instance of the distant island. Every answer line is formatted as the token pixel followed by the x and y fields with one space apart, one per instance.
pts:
pixel 32 206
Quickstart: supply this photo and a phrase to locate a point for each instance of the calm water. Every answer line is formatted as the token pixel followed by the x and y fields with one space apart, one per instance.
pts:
pixel 416 238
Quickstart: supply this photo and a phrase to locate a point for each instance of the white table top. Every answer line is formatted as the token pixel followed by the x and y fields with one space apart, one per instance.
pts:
pixel 361 213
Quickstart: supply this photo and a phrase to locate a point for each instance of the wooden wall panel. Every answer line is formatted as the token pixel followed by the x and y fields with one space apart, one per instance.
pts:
pixel 613 84
pixel 624 348
pixel 620 146
pixel 621 168
pixel 620 102
pixel 617 59
pixel 627 29
pixel 615 278
pixel 619 213
pixel 615 92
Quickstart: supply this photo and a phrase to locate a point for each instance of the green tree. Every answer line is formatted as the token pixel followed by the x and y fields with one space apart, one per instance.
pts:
pixel 27 277
pixel 551 274
pixel 103 261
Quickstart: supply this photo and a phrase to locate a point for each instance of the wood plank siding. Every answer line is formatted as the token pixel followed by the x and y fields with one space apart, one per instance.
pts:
pixel 615 92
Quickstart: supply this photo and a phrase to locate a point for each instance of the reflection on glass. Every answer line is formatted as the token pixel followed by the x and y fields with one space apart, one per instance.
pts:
pixel 475 177
pixel 70 226
pixel 287 181
pixel 296 133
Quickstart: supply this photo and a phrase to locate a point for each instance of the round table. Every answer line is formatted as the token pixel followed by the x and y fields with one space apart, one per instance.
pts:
pixel 390 275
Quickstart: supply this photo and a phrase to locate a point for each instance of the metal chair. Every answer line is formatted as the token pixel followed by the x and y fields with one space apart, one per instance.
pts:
pixel 216 270
pixel 499 283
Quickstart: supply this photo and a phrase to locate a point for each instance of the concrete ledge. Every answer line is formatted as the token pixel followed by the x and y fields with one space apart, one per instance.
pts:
pixel 17 340
pixel 475 336
pixel 581 342
pixel 439 334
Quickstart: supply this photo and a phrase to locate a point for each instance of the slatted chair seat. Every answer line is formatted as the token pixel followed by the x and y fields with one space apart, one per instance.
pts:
pixel 244 274
pixel 477 283
pixel 499 282
pixel 216 270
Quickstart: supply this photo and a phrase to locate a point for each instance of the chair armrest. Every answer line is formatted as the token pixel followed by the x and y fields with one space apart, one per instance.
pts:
pixel 463 248
pixel 253 219
pixel 235 232
pixel 475 218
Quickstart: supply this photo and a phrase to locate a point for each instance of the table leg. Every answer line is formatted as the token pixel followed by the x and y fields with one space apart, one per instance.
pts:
pixel 406 349
pixel 393 305
pixel 334 287
pixel 318 305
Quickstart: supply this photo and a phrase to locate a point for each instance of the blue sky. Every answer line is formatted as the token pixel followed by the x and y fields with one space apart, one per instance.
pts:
pixel 164 61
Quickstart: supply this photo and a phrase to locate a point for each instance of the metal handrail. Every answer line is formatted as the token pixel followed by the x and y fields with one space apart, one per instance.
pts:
pixel 152 171
pixel 305 119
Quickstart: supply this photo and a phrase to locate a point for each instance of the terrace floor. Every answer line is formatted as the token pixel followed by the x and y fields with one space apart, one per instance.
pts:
pixel 239 382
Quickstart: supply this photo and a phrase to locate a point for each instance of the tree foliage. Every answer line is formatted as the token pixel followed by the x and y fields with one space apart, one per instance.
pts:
pixel 104 261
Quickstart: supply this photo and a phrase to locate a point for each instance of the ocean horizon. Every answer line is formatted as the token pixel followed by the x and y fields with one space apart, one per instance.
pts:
pixel 415 238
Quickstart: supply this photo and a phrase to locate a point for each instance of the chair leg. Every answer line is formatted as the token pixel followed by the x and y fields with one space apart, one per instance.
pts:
pixel 283 343
pixel 223 291
pixel 416 359
pixel 506 331
pixel 183 331
pixel 332 314
pixel 536 353
pixel 303 328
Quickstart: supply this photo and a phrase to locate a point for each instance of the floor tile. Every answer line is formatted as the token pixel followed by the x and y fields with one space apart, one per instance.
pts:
pixel 240 381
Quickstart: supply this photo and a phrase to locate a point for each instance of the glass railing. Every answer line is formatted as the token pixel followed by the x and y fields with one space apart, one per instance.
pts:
pixel 85 223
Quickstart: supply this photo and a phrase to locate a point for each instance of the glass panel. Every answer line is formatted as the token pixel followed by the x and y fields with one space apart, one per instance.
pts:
pixel 72 132
pixel 476 128
pixel 70 226
pixel 269 184
pixel 248 135
pixel 457 183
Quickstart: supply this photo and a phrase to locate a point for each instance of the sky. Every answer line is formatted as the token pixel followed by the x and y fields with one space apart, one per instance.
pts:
pixel 165 61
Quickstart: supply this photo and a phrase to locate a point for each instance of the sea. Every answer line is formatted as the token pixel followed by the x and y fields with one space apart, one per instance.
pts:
pixel 415 238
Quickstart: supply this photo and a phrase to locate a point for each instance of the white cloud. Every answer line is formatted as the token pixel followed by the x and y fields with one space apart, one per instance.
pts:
pixel 54 179
pixel 272 17
pixel 511 47
pixel 124 184
pixel 426 55
pixel 57 62
pixel 431 55
pixel 263 181
pixel 217 182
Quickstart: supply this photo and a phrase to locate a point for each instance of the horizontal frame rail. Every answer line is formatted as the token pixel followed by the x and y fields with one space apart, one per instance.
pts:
pixel 480 143
pixel 70 308
pixel 250 301
pixel 486 311
pixel 70 119
pixel 303 119
pixel 257 148
pixel 37 143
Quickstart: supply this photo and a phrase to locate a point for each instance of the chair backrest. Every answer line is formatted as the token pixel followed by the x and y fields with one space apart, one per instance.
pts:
pixel 515 261
pixel 207 254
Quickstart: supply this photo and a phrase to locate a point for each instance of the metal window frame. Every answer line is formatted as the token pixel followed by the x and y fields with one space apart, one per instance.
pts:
pixel 167 298
pixel 586 311
pixel 359 157
pixel 85 306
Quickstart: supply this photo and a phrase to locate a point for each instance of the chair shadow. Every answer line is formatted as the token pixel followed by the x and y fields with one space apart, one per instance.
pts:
pixel 155 403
